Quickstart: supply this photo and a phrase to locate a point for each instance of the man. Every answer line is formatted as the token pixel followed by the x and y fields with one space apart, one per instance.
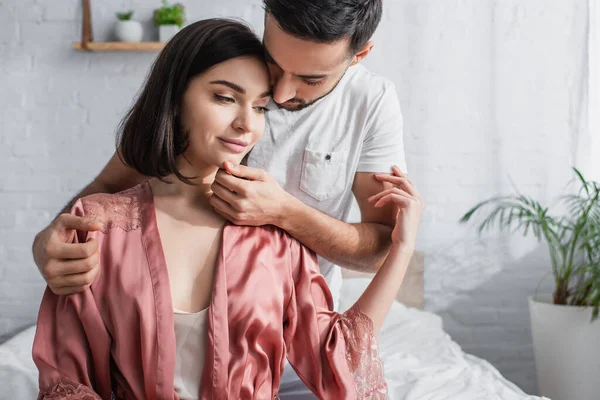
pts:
pixel 333 127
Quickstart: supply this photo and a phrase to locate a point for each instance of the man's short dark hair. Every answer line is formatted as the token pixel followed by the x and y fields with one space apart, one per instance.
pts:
pixel 326 21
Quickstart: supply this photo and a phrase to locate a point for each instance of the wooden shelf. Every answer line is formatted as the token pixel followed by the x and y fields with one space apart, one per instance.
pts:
pixel 87 39
pixel 119 46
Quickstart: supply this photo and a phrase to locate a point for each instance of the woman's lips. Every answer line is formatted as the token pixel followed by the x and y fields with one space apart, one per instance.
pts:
pixel 234 145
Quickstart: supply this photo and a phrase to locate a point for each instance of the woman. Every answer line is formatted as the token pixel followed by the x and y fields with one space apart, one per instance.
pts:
pixel 184 305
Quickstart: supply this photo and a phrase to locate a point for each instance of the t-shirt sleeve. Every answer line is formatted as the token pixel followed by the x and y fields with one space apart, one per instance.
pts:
pixel 383 144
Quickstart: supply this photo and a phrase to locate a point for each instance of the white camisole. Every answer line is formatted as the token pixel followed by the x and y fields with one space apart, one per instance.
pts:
pixel 190 340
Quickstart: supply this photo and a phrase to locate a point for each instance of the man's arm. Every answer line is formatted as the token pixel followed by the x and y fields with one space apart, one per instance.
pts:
pixel 360 246
pixel 71 268
pixel 257 199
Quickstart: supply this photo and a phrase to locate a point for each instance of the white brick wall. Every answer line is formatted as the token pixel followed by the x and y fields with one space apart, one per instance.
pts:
pixel 490 89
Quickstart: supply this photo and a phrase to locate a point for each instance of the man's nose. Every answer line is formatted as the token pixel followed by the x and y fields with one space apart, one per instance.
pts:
pixel 284 89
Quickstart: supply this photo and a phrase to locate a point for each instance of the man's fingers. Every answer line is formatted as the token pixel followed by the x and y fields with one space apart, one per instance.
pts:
pixel 74 280
pixel 69 221
pixel 60 268
pixel 71 251
pixel 245 172
pixel 224 194
pixel 227 217
pixel 223 208
pixel 63 291
pixel 230 182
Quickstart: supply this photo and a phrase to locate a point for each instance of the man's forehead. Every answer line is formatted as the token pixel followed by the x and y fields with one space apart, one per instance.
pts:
pixel 299 56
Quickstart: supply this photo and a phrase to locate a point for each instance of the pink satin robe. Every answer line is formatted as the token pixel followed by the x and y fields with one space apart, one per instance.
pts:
pixel 269 302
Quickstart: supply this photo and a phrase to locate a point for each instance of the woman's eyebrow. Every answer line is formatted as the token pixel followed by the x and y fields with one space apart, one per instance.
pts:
pixel 238 88
pixel 230 85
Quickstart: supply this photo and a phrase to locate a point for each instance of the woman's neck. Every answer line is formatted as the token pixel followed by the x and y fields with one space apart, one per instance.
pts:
pixel 195 194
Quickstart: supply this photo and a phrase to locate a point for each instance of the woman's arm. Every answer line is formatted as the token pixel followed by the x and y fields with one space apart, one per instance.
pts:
pixel 377 299
pixel 336 355
pixel 63 352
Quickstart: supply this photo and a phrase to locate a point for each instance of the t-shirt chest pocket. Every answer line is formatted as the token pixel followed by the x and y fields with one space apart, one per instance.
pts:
pixel 323 173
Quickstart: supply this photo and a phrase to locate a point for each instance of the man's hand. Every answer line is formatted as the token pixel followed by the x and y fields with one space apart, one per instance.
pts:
pixel 248 196
pixel 66 267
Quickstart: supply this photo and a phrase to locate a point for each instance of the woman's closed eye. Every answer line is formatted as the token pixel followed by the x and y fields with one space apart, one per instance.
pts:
pixel 228 100
pixel 261 110
pixel 223 99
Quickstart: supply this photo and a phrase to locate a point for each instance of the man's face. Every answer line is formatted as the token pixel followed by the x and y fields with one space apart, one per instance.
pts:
pixel 302 71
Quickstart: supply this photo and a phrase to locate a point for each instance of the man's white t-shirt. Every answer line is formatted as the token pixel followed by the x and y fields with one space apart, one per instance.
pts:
pixel 315 153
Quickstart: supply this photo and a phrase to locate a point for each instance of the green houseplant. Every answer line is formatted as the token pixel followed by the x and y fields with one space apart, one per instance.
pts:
pixel 573 239
pixel 126 29
pixel 169 19
pixel 124 16
pixel 565 325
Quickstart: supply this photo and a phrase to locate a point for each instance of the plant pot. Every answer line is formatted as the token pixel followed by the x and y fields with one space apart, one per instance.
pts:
pixel 166 32
pixel 567 350
pixel 128 31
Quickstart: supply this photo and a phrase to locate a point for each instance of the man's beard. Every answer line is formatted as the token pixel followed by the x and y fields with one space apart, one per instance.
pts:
pixel 301 104
pixel 298 104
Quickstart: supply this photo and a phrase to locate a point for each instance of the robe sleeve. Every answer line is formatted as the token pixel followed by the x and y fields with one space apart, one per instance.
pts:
pixel 71 348
pixel 335 355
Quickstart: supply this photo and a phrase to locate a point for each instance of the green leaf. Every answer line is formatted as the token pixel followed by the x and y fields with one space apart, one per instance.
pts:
pixel 573 238
pixel 170 14
pixel 124 16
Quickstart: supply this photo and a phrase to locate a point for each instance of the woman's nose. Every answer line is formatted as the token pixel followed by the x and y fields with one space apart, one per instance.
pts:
pixel 244 120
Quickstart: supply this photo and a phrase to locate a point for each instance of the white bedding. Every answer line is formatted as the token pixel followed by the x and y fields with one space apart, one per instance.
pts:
pixel 421 361
pixel 18 375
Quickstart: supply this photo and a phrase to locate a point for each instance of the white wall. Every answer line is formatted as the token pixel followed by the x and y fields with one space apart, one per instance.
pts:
pixel 490 89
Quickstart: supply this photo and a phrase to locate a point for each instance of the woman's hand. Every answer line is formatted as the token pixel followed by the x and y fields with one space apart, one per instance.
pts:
pixel 377 299
pixel 409 204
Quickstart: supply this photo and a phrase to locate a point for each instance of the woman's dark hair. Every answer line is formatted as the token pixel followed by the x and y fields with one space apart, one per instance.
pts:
pixel 326 21
pixel 150 136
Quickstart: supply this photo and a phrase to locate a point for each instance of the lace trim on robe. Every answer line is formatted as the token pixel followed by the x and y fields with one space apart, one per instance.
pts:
pixel 120 210
pixel 67 389
pixel 362 355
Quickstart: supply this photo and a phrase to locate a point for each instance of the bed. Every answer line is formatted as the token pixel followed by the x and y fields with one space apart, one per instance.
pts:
pixel 421 361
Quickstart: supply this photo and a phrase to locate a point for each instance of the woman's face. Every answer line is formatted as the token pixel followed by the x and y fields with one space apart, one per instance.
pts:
pixel 223 111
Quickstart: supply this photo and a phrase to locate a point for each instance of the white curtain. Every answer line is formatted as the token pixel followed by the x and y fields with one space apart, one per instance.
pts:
pixel 589 144
pixel 494 94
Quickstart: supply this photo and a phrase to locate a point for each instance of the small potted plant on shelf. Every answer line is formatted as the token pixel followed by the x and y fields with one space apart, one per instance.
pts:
pixel 127 30
pixel 169 19
pixel 564 324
